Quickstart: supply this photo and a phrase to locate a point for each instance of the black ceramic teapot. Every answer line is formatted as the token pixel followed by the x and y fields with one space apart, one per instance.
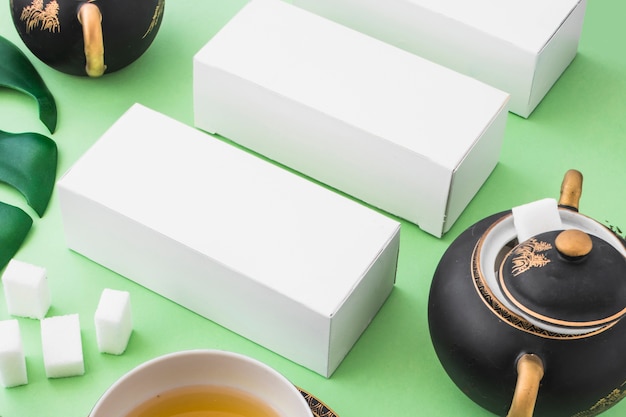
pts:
pixel 535 326
pixel 87 37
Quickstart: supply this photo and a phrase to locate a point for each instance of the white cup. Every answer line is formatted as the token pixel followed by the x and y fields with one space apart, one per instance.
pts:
pixel 201 367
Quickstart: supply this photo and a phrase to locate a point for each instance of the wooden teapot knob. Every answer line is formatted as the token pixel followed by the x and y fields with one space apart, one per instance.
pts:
pixel 573 243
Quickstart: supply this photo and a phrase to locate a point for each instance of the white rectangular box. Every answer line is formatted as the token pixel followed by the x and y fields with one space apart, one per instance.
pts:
pixel 272 256
pixel 519 46
pixel 376 122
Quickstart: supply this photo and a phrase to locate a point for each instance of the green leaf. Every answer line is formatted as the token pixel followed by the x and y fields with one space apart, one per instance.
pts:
pixel 28 162
pixel 17 72
pixel 14 227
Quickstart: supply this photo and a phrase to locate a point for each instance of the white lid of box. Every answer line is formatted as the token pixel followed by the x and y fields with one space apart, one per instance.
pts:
pixel 525 23
pixel 286 232
pixel 316 44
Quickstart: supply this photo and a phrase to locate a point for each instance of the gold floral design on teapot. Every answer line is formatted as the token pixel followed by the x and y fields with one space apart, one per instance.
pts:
pixel 605 403
pixel 158 11
pixel 529 256
pixel 36 15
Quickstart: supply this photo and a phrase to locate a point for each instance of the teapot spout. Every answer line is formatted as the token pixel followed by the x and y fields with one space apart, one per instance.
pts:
pixel 90 17
pixel 571 190
pixel 529 375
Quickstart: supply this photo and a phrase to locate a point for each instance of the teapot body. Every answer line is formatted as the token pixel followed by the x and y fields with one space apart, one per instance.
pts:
pixel 52 30
pixel 478 342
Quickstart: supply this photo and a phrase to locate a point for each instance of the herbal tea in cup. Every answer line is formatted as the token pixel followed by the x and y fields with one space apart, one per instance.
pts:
pixel 204 401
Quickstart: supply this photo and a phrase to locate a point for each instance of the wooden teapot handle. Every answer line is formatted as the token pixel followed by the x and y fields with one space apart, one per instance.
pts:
pixel 90 17
pixel 529 374
pixel 571 189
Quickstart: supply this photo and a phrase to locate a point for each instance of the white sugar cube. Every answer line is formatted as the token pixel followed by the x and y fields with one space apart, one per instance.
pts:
pixel 537 217
pixel 62 346
pixel 26 289
pixel 12 359
pixel 113 321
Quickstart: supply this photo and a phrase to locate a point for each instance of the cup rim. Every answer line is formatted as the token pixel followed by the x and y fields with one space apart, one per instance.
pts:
pixel 119 383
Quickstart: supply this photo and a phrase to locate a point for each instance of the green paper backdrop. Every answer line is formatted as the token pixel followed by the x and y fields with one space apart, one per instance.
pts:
pixel 392 370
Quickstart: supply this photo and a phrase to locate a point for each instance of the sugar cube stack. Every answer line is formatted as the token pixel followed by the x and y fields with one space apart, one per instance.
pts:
pixel 62 346
pixel 12 359
pixel 26 290
pixel 536 217
pixel 113 321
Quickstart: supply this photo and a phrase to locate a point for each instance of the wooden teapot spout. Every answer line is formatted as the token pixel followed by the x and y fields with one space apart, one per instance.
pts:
pixel 571 190
pixel 90 17
pixel 529 375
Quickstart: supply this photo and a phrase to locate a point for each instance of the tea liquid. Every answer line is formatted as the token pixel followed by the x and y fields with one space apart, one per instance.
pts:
pixel 204 401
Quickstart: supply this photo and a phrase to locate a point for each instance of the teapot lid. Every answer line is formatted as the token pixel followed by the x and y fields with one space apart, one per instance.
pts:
pixel 567 278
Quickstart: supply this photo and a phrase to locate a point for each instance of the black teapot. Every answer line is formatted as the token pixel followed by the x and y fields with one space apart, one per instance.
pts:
pixel 87 37
pixel 534 327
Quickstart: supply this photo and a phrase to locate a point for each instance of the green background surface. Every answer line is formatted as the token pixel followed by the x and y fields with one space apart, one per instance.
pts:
pixel 392 370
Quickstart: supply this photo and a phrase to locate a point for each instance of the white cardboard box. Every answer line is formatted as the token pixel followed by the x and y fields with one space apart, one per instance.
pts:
pixel 518 46
pixel 381 124
pixel 261 251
